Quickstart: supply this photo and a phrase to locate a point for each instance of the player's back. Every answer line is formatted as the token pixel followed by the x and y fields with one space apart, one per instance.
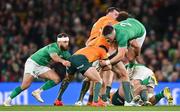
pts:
pixel 100 41
pixel 130 27
pixel 92 53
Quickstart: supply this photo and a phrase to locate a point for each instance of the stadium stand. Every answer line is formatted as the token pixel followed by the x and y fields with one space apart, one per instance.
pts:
pixel 26 25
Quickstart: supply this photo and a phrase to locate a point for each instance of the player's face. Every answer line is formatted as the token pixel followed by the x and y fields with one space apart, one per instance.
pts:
pixel 64 45
pixel 115 14
pixel 112 37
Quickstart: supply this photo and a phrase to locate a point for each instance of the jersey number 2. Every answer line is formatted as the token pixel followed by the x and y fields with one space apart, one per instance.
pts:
pixel 125 24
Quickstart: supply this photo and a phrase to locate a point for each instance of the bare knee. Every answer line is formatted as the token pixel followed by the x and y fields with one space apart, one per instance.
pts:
pixel 123 75
pixel 56 79
pixel 25 85
pixel 104 84
pixel 99 80
pixel 27 80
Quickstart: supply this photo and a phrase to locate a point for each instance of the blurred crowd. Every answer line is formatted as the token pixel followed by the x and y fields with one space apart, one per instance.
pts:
pixel 27 25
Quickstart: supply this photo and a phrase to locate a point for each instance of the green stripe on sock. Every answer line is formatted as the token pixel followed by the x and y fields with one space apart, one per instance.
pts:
pixel 159 96
pixel 63 87
pixel 16 92
pixel 84 89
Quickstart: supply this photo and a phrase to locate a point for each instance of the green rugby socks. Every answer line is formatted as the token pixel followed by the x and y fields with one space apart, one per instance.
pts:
pixel 49 84
pixel 159 96
pixel 127 91
pixel 84 89
pixel 16 92
pixel 97 88
pixel 63 87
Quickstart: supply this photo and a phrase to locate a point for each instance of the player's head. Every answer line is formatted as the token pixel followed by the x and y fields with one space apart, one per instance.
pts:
pixel 123 15
pixel 109 33
pixel 63 41
pixel 113 12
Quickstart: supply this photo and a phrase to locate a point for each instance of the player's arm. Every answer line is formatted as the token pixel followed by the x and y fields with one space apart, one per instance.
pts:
pixel 136 47
pixel 120 55
pixel 122 48
pixel 56 58
pixel 104 59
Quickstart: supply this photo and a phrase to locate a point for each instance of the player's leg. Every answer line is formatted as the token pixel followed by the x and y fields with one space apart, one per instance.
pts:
pixel 76 61
pixel 117 99
pixel 149 80
pixel 102 72
pixel 63 87
pixel 141 90
pixel 86 86
pixel 81 64
pixel 165 93
pixel 107 77
pixel 103 89
pixel 154 99
pixel 90 99
pixel 27 80
pixel 54 79
pixel 97 86
pixel 120 69
pixel 93 75
pixel 84 89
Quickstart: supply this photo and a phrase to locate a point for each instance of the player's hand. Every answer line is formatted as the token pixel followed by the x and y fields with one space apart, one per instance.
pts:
pixel 104 62
pixel 107 67
pixel 66 63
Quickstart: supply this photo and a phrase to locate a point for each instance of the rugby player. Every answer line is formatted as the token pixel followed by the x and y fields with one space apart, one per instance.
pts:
pixel 36 67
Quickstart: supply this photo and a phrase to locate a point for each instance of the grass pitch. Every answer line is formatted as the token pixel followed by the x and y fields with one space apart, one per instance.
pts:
pixel 88 108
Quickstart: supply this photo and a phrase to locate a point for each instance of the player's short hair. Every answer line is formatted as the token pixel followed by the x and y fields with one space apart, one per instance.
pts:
pixel 108 29
pixel 110 9
pixel 123 15
pixel 62 35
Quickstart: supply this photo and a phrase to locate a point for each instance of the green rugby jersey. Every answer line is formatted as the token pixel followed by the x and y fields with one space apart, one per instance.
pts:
pixel 127 30
pixel 42 56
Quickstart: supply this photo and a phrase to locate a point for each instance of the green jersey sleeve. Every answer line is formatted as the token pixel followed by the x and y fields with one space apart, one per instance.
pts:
pixel 66 55
pixel 53 49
